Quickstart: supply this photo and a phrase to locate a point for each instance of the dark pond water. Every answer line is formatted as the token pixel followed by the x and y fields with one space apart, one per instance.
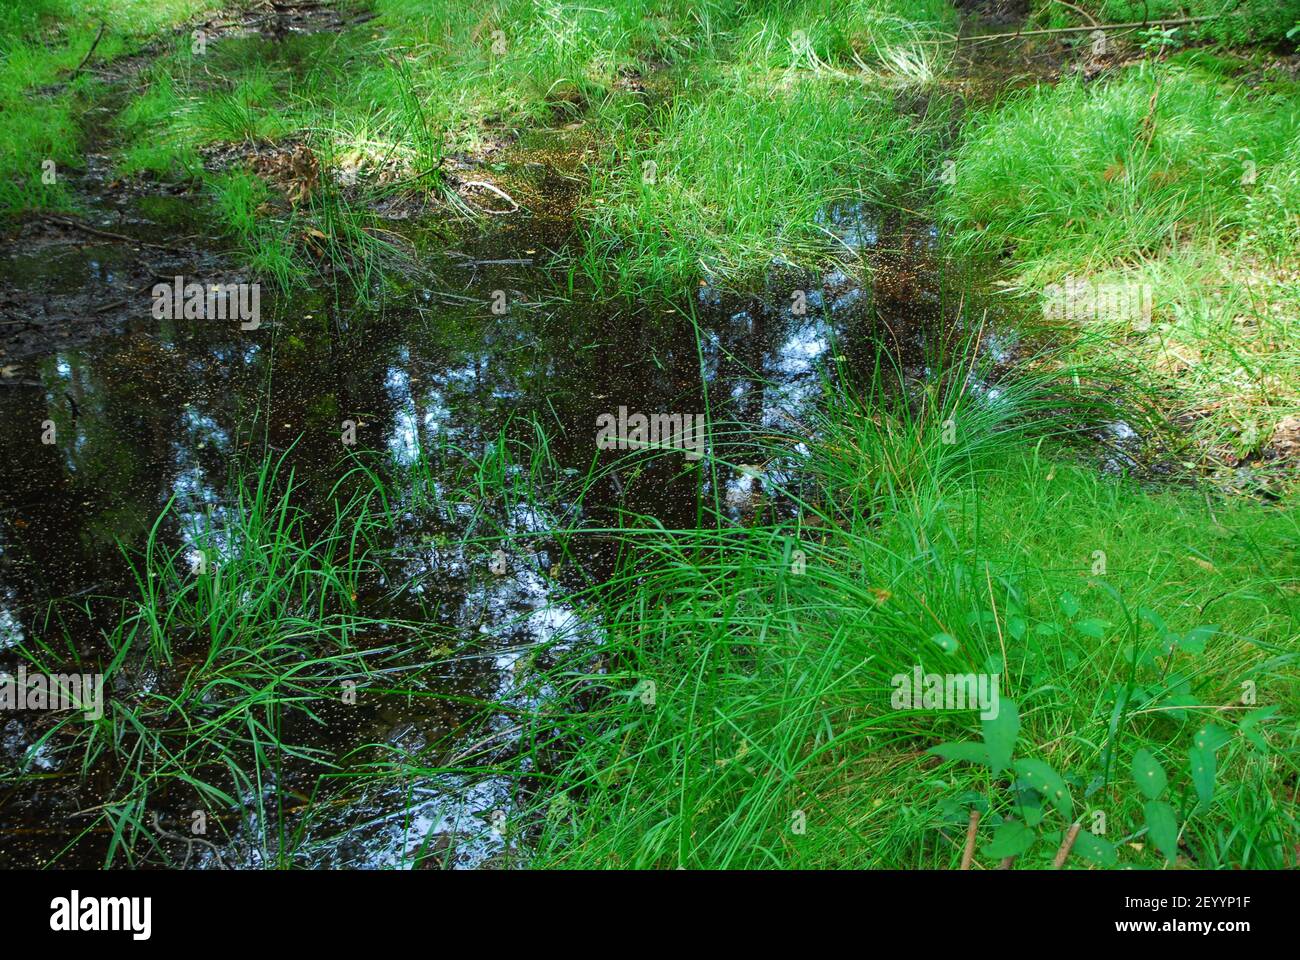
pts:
pixel 174 410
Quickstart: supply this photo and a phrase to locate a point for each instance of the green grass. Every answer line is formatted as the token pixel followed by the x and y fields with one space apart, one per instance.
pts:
pixel 1167 178
pixel 768 738
pixel 826 34
pixel 390 101
pixel 736 710
pixel 741 167
pixel 384 104
pixel 742 172
pixel 140 124
pixel 1245 21
pixel 938 525
pixel 248 619
pixel 1085 175
pixel 225 674
pixel 41 113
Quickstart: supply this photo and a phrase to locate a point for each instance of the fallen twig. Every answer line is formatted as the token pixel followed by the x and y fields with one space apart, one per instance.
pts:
pixel 1182 21
pixel 93 44
pixel 1066 845
pixel 188 841
pixel 517 262
pixel 514 206
pixel 134 293
pixel 969 853
pixel 107 234
pixel 1079 10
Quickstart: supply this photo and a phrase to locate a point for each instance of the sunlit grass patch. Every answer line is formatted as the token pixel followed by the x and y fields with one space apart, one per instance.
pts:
pixel 1085 175
pixel 1173 185
pixel 1219 347
pixel 727 179
pixel 898 39
pixel 42 102
pixel 394 98
pixel 320 233
pixel 149 124
pixel 247 111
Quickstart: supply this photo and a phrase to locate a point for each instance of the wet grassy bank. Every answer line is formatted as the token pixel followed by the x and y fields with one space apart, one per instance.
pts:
pixel 992 340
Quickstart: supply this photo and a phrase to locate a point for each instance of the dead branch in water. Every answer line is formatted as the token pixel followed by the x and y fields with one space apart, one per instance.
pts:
pixel 84 227
pixel 491 188
pixel 1179 22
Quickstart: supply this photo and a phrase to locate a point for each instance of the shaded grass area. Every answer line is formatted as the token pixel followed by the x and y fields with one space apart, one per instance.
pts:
pixel 253 124
pixel 257 646
pixel 1246 21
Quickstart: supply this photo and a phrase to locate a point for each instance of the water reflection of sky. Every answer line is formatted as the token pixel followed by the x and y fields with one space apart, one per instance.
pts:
pixel 164 417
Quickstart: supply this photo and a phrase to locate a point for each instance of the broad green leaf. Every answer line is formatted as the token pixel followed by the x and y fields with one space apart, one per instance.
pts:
pixel 1203 766
pixel 1162 825
pixel 1000 734
pixel 945 642
pixel 1153 618
pixel 1092 627
pixel 1177 683
pixel 1211 736
pixel 1032 812
pixel 1194 640
pixel 957 809
pixel 1250 726
pixel 1094 849
pixel 1148 774
pixel 1181 700
pixel 1069 606
pixel 1259 716
pixel 969 752
pixel 1043 778
pixel 1255 737
pixel 1010 839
